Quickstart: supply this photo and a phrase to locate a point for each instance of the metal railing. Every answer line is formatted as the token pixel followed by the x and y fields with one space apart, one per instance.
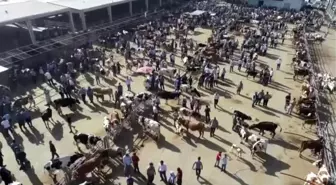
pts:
pixel 321 126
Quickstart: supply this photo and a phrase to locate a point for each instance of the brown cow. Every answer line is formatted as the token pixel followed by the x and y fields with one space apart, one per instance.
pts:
pixel 193 126
pixel 310 122
pixel 103 91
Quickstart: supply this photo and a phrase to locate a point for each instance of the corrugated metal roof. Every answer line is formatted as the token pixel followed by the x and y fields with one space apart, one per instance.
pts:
pixel 87 4
pixel 15 11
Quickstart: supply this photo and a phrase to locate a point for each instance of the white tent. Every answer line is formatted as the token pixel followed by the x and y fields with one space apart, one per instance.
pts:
pixel 197 12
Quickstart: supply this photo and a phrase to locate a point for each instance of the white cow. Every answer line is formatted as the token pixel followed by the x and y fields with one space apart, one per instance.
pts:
pixel 167 71
pixel 259 146
pixel 151 126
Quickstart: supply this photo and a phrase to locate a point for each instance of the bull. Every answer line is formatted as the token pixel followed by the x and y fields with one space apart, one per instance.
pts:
pixel 310 122
pixel 266 125
pixel 86 139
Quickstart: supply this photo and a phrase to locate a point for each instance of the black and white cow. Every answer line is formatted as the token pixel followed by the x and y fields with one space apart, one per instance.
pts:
pixel 55 165
pixel 86 139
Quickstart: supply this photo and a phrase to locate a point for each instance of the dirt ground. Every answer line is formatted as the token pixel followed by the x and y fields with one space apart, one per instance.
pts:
pixel 280 165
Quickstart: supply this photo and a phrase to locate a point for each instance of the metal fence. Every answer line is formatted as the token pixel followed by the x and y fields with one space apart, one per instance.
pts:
pixel 322 129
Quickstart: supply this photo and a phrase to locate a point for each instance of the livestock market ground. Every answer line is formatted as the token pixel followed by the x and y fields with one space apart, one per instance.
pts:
pixel 281 165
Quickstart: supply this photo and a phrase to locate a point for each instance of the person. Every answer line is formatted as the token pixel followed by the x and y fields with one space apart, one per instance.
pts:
pixel 278 63
pixel 179 176
pixel 216 99
pixel 291 106
pixel 271 75
pixel 49 78
pixel 207 114
pixel 254 99
pixel 162 171
pixel 240 87
pixel 120 89
pixel 135 161
pixel 198 167
pixel 218 158
pixel 150 174
pixel 53 150
pixel 175 116
pixel 128 83
pixel 129 180
pixel 287 100
pixel 28 118
pixel 223 73
pixel 89 93
pixel 267 97
pixel 1 159
pixel 224 162
pixel 21 121
pixel 7 127
pixel 6 176
pixel 213 127
pixel 172 178
pixel 20 155
pixel 127 161
pixel 69 121
pixel 47 97
pixel 82 93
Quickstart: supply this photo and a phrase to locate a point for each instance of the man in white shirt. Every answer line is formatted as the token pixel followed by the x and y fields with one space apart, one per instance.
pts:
pixel 127 161
pixel 6 125
pixel 49 78
pixel 278 63
pixel 162 171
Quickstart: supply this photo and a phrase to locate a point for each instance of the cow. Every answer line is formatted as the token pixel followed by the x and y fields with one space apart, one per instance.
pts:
pixel 188 112
pixel 151 126
pixel 65 102
pixel 168 95
pixel 316 145
pixel 301 72
pixel 193 126
pixel 86 139
pixel 246 135
pixel 236 148
pixel 55 165
pixel 310 122
pixel 143 96
pixel 252 73
pixel 22 102
pixel 241 115
pixel 259 146
pixel 101 91
pixel 266 125
pixel 46 116
pixel 167 71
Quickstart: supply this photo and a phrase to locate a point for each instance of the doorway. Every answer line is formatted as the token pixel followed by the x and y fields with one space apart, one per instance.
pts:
pixel 260 3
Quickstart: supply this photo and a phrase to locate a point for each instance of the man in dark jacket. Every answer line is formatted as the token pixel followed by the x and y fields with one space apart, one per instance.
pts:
pixel 53 150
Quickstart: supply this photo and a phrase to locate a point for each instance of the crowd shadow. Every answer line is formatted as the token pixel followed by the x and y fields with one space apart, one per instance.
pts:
pixel 57 131
pixel 248 163
pixel 236 178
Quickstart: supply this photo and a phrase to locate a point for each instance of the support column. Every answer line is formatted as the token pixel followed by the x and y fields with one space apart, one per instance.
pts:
pixel 109 11
pixel 147 5
pixel 131 8
pixel 72 24
pixel 31 31
pixel 82 17
pixel 160 3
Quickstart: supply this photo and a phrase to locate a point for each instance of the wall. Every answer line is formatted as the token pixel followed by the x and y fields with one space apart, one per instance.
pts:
pixel 294 4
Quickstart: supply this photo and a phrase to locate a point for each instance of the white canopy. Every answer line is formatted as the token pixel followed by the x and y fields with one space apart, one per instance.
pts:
pixel 197 12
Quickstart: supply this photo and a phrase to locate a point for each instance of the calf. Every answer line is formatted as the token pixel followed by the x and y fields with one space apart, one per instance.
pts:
pixel 316 145
pixel 168 95
pixel 251 73
pixel 55 165
pixel 266 125
pixel 236 148
pixel 259 146
pixel 86 139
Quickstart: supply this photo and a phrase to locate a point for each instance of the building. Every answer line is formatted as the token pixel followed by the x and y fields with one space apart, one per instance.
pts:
pixel 280 4
pixel 31 28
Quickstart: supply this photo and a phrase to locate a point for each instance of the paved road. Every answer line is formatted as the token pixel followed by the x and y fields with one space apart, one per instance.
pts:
pixel 281 165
